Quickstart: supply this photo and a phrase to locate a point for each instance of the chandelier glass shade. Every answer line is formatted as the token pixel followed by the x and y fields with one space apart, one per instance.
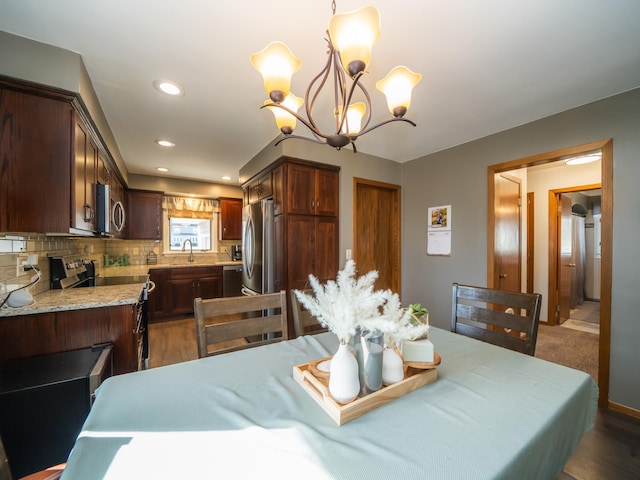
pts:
pixel 351 37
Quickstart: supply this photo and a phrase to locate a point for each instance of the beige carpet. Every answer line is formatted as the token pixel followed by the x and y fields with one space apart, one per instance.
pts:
pixel 568 347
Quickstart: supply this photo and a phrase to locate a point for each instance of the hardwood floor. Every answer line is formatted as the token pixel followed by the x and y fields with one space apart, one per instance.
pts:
pixel 611 450
pixel 172 341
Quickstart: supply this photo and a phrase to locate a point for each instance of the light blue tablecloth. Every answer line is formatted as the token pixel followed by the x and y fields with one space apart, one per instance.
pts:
pixel 491 414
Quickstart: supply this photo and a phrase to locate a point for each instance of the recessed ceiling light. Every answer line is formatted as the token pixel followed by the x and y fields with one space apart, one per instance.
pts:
pixel 226 177
pixel 162 169
pixel 168 87
pixel 165 143
pixel 582 159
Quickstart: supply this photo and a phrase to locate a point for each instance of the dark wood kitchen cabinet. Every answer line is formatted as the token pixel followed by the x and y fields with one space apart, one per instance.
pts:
pixel 177 287
pixel 306 207
pixel 258 188
pixel 49 152
pixel 157 304
pixel 310 190
pixel 230 227
pixel 54 332
pixel 85 154
pixel 35 161
pixel 144 213
pixel 314 241
pixel 188 283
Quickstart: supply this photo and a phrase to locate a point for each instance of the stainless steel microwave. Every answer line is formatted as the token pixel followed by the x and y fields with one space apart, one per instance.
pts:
pixel 110 216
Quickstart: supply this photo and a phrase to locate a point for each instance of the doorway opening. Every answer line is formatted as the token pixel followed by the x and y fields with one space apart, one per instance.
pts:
pixel 606 175
pixel 568 266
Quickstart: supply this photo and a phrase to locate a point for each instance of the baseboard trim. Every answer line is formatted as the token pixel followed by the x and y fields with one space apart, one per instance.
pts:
pixel 632 412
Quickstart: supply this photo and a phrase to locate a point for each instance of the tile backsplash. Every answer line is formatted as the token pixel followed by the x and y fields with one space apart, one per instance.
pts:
pixel 14 249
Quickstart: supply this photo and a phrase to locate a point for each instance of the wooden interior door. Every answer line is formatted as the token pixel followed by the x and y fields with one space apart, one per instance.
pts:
pixel 376 231
pixel 565 256
pixel 507 269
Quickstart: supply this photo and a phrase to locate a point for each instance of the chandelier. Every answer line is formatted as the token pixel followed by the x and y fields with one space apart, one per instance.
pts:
pixel 351 37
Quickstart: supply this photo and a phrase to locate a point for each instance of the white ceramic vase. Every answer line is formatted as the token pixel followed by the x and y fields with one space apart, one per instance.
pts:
pixel 344 384
pixel 392 366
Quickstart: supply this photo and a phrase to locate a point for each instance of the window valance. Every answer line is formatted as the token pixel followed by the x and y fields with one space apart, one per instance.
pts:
pixel 185 207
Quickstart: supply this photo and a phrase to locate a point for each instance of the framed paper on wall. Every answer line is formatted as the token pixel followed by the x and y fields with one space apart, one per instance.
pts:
pixel 439 230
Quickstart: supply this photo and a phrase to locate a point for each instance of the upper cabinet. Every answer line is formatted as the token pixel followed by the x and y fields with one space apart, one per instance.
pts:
pixel 144 212
pixel 35 160
pixel 258 188
pixel 85 154
pixel 51 158
pixel 230 227
pixel 311 190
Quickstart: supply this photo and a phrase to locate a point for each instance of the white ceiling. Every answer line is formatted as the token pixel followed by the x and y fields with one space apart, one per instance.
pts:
pixel 486 65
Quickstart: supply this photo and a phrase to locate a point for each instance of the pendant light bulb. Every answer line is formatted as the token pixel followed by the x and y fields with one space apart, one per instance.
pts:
pixel 397 86
pixel 354 34
pixel 284 120
pixel 277 65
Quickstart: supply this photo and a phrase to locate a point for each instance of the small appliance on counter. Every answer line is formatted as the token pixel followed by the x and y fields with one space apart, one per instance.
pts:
pixel 236 253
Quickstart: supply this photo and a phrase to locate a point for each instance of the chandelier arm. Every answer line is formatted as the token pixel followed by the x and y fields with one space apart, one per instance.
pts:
pixel 310 126
pixel 339 89
pixel 356 83
pixel 299 137
pixel 396 119
pixel 325 74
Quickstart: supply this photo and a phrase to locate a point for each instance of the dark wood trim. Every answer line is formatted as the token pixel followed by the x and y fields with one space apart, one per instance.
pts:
pixel 632 412
pixel 530 240
pixel 606 147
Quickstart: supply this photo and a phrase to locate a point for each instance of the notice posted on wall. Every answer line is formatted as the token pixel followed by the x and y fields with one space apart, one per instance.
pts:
pixel 439 230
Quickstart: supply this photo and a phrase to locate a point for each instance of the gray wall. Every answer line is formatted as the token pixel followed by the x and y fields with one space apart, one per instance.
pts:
pixel 458 177
pixel 351 165
pixel 25 59
pixel 176 186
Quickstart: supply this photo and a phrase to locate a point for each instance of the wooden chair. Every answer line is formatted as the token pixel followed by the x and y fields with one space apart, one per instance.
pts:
pixel 481 313
pixel 236 323
pixel 303 322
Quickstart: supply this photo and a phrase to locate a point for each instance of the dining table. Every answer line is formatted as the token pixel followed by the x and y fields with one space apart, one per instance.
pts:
pixel 492 413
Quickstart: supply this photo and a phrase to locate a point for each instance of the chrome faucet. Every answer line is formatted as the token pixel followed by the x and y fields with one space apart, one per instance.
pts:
pixel 184 245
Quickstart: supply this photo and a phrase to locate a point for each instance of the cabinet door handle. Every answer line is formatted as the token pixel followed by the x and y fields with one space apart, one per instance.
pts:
pixel 88 209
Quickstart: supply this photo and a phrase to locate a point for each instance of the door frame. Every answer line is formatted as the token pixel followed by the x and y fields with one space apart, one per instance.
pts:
pixel 606 178
pixel 552 317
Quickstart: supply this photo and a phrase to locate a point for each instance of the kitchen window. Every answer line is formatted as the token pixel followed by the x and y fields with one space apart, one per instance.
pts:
pixel 197 231
pixel 190 219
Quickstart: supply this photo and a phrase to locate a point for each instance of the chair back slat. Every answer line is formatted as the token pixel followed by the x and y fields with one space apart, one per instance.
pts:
pixel 236 323
pixel 479 313
pixel 304 323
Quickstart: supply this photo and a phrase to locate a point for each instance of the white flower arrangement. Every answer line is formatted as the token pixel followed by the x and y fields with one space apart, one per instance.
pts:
pixel 348 302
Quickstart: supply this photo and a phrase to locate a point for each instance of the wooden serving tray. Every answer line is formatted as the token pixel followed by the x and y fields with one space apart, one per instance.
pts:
pixel 318 389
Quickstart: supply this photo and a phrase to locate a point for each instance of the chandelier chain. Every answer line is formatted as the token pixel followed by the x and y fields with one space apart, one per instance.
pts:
pixel 333 7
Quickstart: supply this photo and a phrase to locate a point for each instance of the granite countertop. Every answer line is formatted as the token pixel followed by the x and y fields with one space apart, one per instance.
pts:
pixel 102 296
pixel 142 269
pixel 78 298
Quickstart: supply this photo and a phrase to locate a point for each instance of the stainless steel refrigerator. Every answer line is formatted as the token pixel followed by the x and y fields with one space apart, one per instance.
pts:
pixel 258 248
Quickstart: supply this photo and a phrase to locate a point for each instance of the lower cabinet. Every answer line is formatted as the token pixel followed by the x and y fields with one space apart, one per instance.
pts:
pixel 54 332
pixel 176 288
